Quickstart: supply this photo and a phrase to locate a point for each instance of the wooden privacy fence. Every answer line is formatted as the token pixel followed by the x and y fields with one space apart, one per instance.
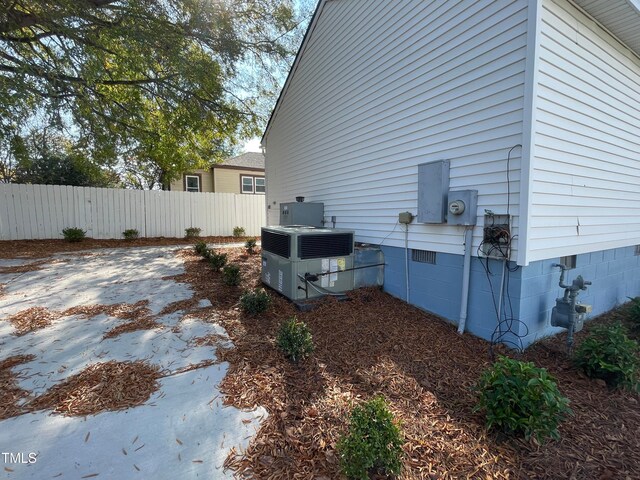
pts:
pixel 43 211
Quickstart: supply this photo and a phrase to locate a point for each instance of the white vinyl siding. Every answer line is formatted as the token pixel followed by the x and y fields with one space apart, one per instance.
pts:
pixel 384 86
pixel 585 193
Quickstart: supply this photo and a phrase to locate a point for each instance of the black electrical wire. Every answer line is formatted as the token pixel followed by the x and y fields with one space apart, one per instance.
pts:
pixel 347 269
pixel 389 234
pixel 508 330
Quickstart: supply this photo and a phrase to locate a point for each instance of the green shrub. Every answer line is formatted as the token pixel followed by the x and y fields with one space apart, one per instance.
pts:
pixel 131 234
pixel 231 275
pixel 607 353
pixel 74 234
pixel 192 232
pixel 201 249
pixel 520 398
pixel 216 260
pixel 250 246
pixel 294 339
pixel 238 232
pixel 373 443
pixel 634 313
pixel 255 302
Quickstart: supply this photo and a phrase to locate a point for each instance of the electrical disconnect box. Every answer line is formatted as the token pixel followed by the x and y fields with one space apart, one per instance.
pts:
pixel 462 206
pixel 496 236
pixel 302 213
pixel 405 218
pixel 433 185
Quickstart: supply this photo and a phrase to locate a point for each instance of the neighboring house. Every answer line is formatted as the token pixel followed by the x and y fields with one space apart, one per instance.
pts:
pixel 534 103
pixel 241 174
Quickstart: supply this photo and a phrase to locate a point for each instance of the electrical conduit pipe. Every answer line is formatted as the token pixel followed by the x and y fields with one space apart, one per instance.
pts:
pixel 466 274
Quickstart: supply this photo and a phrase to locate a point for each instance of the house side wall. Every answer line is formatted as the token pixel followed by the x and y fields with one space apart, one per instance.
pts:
pixel 228 180
pixel 585 194
pixel 382 87
pixel 205 179
pixel 615 277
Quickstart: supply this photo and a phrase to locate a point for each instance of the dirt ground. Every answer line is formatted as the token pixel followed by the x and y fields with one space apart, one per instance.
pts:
pixel 375 344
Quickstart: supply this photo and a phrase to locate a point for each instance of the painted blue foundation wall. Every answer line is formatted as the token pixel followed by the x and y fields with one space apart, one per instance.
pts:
pixel 529 292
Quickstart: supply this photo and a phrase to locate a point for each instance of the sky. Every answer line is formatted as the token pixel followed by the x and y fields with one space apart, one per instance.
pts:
pixel 252 145
pixel 308 6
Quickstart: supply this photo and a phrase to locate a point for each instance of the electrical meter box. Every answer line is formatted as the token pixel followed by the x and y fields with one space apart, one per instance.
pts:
pixel 462 206
pixel 302 213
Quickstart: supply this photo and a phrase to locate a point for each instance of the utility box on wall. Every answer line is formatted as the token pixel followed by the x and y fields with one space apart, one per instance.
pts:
pixel 433 185
pixel 302 213
pixel 462 207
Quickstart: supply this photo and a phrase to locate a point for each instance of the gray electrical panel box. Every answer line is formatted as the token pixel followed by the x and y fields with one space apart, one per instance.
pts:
pixel 302 213
pixel 462 206
pixel 433 185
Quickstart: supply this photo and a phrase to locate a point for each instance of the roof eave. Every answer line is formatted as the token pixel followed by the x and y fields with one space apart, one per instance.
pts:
pixel 621 18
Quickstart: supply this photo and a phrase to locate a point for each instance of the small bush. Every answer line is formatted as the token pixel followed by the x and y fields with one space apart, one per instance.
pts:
pixel 250 246
pixel 131 234
pixel 256 301
pixel 607 353
pixel 238 232
pixel 373 443
pixel 74 234
pixel 520 398
pixel 294 339
pixel 231 275
pixel 634 314
pixel 201 249
pixel 192 232
pixel 216 260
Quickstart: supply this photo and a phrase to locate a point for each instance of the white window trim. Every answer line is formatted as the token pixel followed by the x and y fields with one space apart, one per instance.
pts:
pixel 242 190
pixel 186 183
pixel 255 186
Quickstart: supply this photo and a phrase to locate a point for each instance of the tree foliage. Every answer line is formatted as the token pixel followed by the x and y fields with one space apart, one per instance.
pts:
pixel 172 84
pixel 48 159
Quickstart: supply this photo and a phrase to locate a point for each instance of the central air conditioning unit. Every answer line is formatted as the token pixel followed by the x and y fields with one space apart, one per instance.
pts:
pixel 304 262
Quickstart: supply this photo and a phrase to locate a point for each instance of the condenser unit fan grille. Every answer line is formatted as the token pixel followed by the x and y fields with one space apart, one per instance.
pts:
pixel 276 243
pixel 323 246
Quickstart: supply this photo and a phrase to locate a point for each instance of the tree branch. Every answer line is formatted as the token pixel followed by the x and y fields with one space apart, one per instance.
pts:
pixel 17 20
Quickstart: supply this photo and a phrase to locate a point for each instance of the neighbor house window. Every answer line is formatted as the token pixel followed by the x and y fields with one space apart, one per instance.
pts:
pixel 247 184
pixel 250 184
pixel 192 183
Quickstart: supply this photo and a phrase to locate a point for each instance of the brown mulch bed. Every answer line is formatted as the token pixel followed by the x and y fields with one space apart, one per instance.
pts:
pixel 31 319
pixel 10 393
pixel 44 248
pixel 35 318
pixel 144 323
pixel 376 344
pixel 101 387
pixel 30 267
